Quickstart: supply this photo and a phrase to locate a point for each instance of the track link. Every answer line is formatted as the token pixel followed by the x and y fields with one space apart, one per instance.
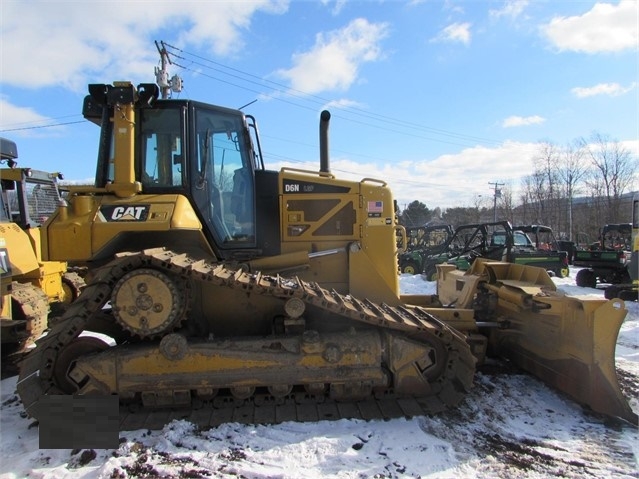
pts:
pixel 31 308
pixel 454 381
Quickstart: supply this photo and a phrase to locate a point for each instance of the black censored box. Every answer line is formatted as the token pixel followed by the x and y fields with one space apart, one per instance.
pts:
pixel 78 422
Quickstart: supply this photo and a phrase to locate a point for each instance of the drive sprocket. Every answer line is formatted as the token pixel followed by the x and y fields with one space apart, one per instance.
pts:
pixel 148 303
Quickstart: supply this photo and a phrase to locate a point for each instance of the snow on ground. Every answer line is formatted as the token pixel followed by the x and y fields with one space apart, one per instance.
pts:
pixel 510 426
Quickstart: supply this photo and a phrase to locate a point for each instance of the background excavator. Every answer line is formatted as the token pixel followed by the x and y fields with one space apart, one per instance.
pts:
pixel 244 294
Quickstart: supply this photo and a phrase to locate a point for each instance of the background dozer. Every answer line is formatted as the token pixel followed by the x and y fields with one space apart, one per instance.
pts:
pixel 232 292
pixel 32 289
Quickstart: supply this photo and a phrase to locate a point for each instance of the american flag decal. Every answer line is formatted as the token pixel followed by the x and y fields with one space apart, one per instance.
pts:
pixel 375 206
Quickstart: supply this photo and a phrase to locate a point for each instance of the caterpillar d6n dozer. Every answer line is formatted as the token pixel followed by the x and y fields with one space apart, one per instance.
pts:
pixel 235 293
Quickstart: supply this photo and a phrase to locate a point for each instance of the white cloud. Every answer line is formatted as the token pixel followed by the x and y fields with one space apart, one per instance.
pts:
pixel 333 62
pixel 464 175
pixel 46 43
pixel 449 180
pixel 605 28
pixel 337 6
pixel 24 121
pixel 15 115
pixel 511 9
pixel 610 89
pixel 513 121
pixel 453 6
pixel 342 103
pixel 456 32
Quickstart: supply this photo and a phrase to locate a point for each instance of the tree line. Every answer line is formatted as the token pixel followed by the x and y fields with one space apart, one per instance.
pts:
pixel 574 189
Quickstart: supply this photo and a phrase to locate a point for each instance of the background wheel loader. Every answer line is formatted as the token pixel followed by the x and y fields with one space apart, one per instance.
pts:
pixel 32 289
pixel 236 293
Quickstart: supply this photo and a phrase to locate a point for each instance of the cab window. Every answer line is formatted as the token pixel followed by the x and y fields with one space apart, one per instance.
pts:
pixel 224 177
pixel 162 156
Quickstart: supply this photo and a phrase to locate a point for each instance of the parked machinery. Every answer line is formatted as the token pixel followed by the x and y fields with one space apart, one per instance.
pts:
pixel 499 241
pixel 629 289
pixel 423 241
pixel 606 261
pixel 32 288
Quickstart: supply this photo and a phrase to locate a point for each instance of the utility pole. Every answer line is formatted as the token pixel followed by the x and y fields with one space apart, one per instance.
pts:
pixel 496 194
pixel 162 75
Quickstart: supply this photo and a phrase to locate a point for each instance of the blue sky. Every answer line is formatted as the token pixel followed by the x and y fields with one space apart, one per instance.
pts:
pixel 438 98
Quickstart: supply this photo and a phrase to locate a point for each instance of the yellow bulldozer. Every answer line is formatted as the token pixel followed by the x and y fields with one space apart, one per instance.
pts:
pixel 32 288
pixel 245 294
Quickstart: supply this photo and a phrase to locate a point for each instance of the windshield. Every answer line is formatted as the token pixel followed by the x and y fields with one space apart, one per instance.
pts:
pixel 225 175
pixel 521 239
pixel 617 239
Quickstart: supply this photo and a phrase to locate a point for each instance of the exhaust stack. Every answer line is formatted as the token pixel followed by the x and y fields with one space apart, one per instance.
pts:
pixel 325 116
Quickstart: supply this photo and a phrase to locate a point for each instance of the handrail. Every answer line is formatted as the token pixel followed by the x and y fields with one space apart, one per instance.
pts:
pixel 373 180
pixel 308 172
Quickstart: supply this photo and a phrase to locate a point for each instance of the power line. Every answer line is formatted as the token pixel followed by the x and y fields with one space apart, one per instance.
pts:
pixel 315 99
pixel 296 98
pixel 42 126
pixel 308 97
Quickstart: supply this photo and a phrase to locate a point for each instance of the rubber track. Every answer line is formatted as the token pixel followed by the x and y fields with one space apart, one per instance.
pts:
pixel 456 380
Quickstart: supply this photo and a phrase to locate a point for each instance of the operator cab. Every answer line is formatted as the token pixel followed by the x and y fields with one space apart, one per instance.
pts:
pixel 201 151
pixel 204 151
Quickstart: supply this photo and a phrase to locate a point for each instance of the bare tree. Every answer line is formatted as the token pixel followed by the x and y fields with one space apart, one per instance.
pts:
pixel 612 172
pixel 506 204
pixel 527 202
pixel 571 171
pixel 546 171
pixel 535 185
pixel 461 216
pixel 477 209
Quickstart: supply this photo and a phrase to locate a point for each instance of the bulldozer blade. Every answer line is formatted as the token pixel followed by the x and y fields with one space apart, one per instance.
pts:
pixel 567 342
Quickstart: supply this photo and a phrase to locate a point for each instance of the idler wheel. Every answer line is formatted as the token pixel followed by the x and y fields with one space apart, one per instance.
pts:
pixel 77 348
pixel 147 302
